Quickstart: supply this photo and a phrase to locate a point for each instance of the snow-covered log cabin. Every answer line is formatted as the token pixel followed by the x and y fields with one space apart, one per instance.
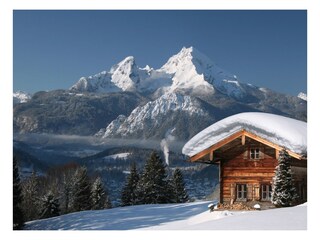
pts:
pixel 246 148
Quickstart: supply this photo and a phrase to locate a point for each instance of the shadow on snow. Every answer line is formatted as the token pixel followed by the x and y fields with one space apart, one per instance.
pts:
pixel 122 218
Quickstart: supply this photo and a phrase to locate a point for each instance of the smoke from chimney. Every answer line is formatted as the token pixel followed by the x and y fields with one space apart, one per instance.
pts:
pixel 169 138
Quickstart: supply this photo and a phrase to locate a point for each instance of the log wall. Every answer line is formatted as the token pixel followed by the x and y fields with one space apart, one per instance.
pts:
pixel 252 172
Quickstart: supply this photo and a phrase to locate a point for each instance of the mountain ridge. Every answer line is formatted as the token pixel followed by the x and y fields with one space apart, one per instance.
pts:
pixel 188 93
pixel 188 71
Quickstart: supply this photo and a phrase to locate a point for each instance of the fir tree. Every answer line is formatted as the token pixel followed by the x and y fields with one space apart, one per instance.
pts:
pixel 153 185
pixel 284 193
pixel 129 192
pixel 178 187
pixel 18 217
pixel 99 196
pixel 81 190
pixel 49 206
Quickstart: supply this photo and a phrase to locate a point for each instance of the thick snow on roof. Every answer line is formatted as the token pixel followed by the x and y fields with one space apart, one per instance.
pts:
pixel 283 131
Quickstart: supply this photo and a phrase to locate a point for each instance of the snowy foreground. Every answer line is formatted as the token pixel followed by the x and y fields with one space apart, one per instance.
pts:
pixel 188 216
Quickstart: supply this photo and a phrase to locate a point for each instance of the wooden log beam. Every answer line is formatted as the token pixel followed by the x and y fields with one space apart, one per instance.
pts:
pixel 243 139
pixel 211 156
pixel 277 153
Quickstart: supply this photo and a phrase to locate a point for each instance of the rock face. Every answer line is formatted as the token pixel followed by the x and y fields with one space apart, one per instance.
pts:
pixel 63 112
pixel 188 93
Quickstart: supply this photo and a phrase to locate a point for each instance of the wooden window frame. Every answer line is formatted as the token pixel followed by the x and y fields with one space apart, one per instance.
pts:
pixel 255 152
pixel 265 189
pixel 241 192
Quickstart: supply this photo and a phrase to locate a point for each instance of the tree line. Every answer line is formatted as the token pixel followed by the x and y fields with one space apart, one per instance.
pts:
pixel 69 188
pixel 63 190
pixel 153 185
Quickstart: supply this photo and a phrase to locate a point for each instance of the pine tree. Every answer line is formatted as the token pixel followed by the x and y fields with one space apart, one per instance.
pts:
pixel 49 206
pixel 284 193
pixel 153 185
pixel 178 186
pixel 129 192
pixel 81 190
pixel 18 217
pixel 99 196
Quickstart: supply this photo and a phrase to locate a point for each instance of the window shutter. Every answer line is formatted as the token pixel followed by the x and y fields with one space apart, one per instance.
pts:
pixel 249 193
pixel 245 154
pixel 261 153
pixel 232 193
pixel 256 192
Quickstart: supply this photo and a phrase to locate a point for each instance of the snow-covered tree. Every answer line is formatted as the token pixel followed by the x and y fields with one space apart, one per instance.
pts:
pixel 284 192
pixel 81 190
pixel 178 187
pixel 129 191
pixel 18 217
pixel 99 196
pixel 153 185
pixel 49 206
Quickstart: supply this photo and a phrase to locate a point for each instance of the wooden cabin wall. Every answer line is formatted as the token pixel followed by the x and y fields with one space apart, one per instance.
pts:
pixel 254 172
pixel 243 170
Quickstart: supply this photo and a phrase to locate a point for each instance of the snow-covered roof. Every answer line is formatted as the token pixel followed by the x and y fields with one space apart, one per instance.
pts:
pixel 283 131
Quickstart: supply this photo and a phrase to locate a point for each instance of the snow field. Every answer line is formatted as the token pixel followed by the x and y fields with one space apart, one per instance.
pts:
pixel 186 216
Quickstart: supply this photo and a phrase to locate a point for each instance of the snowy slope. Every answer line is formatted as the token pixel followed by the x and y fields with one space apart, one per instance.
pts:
pixel 276 219
pixel 303 96
pixel 186 216
pixel 152 114
pixel 106 82
pixel 193 70
pixel 117 156
pixel 21 97
pixel 286 132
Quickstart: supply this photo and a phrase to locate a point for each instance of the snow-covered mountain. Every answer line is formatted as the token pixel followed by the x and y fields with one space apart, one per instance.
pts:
pixel 188 93
pixel 21 97
pixel 303 96
pixel 195 72
pixel 154 115
pixel 189 71
pixel 124 76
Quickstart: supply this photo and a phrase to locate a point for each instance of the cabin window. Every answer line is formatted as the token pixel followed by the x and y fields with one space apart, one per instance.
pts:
pixel 241 191
pixel 266 190
pixel 254 153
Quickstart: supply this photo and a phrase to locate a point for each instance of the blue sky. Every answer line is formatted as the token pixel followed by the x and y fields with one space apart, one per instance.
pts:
pixel 53 49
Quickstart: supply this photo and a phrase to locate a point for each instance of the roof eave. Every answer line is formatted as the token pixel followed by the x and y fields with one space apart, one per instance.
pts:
pixel 242 133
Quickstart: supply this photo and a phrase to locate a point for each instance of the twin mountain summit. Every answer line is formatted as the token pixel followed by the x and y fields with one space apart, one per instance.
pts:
pixel 188 93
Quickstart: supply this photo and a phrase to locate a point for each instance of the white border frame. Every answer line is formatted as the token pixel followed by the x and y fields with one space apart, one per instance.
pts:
pixel 6 10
